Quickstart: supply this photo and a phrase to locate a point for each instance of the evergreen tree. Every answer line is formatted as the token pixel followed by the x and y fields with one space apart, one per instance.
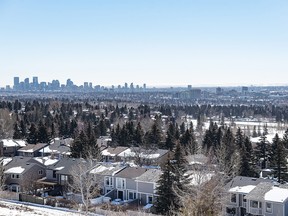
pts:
pixel 17 132
pixel 42 133
pixel 278 157
pixel 79 146
pixel 261 151
pixel 246 166
pixel 139 134
pixel 167 200
pixel 254 133
pixel 180 165
pixel 32 134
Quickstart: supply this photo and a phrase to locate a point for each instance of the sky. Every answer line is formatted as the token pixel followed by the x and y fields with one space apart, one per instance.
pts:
pixel 157 42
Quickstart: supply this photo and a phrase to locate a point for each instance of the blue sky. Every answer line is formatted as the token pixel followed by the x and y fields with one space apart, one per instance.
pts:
pixel 158 42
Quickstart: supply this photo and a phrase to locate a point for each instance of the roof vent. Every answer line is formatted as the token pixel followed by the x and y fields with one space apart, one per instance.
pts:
pixel 254 179
pixel 27 163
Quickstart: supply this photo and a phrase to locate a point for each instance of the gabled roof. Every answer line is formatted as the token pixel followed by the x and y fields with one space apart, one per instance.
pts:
pixel 259 191
pixel 113 151
pixel 13 143
pixel 20 165
pixel 58 148
pixel 131 172
pixel 151 175
pixel 244 181
pixel 65 164
pixel 143 153
pixel 107 169
pixel 197 159
pixel 32 147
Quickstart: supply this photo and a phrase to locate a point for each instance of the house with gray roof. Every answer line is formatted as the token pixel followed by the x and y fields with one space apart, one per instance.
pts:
pixel 142 156
pixel 32 150
pixel 9 147
pixel 125 182
pixel 22 172
pixel 255 196
pixel 146 186
pixel 111 154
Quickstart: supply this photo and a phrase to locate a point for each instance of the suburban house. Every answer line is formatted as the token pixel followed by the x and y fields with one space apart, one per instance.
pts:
pixel 111 154
pixel 58 149
pixel 105 173
pixel 142 156
pixel 9 147
pixel 146 186
pixel 126 182
pixel 21 173
pixel 32 150
pixel 255 196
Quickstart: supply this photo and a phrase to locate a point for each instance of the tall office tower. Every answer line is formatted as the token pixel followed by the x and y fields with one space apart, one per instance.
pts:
pixel 26 84
pixel 144 86
pixel 86 85
pixel 131 86
pixel 126 85
pixel 189 86
pixel 16 83
pixel 69 83
pixel 90 85
pixel 35 82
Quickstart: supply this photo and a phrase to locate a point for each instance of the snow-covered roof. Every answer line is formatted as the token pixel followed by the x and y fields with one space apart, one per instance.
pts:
pixel 276 194
pixel 6 161
pixel 13 143
pixel 105 152
pixel 100 169
pixel 46 160
pixel 15 170
pixel 130 153
pixel 59 168
pixel 242 189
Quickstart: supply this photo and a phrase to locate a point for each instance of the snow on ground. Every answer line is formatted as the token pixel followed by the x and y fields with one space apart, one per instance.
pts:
pixel 17 209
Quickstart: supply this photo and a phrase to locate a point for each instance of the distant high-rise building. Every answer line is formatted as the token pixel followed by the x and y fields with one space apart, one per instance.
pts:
pixel 189 86
pixel 35 80
pixel 69 83
pixel 244 89
pixel 26 83
pixel 144 85
pixel 16 82
pixel 126 86
pixel 219 90
pixel 85 85
pixel 131 86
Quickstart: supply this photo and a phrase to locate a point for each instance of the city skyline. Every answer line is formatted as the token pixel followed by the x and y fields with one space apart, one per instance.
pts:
pixel 160 43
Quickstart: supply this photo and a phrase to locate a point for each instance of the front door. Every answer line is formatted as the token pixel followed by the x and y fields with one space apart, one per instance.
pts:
pixel 120 195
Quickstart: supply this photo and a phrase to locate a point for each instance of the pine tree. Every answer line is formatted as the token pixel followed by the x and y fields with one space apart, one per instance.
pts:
pixel 79 146
pixel 180 165
pixel 261 151
pixel 167 199
pixel 32 134
pixel 285 139
pixel 139 134
pixel 278 157
pixel 17 132
pixel 42 134
pixel 246 166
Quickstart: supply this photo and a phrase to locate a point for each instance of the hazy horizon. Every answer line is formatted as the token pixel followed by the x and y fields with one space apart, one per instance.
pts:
pixel 160 43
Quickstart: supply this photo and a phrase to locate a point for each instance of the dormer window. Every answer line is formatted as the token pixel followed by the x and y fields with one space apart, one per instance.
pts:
pixel 269 207
pixel 40 172
pixel 15 176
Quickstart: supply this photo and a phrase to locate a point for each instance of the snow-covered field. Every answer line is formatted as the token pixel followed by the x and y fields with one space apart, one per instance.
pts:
pixel 18 209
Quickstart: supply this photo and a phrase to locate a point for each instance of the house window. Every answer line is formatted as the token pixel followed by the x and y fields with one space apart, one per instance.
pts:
pixel 233 198
pixel 64 178
pixel 230 210
pixel 40 172
pixel 149 199
pixel 108 181
pixel 255 204
pixel 120 183
pixel 269 207
pixel 54 173
pixel 15 176
pixel 131 195
pixel 244 199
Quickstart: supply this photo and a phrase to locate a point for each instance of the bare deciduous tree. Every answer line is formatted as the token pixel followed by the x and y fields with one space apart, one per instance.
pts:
pixel 83 182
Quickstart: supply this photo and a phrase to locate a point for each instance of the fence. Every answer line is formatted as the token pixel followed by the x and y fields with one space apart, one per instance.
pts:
pixel 31 199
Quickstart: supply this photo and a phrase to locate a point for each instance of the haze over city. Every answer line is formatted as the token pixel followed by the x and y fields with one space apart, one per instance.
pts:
pixel 161 43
